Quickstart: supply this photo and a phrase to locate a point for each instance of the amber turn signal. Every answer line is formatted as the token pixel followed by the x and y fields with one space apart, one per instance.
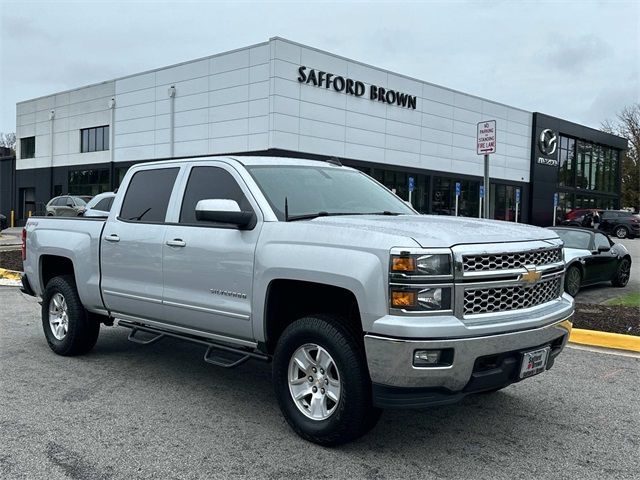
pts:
pixel 401 299
pixel 403 264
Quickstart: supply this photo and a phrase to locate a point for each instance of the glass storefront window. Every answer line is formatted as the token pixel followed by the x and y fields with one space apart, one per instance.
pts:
pixel 567 161
pixel 89 182
pixel 444 197
pixel 503 202
pixel 398 182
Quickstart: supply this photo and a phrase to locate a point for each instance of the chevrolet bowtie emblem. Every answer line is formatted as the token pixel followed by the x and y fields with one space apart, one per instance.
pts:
pixel 532 275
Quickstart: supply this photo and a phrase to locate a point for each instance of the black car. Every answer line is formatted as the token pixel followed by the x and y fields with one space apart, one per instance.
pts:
pixel 592 257
pixel 3 222
pixel 620 223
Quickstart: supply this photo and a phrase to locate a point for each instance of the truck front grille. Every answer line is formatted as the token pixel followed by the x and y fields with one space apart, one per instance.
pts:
pixel 507 261
pixel 503 299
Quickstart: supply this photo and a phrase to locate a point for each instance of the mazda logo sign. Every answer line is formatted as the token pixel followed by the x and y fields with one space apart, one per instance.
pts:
pixel 548 141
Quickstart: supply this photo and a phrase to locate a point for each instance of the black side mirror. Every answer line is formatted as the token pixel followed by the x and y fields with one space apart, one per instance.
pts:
pixel 603 249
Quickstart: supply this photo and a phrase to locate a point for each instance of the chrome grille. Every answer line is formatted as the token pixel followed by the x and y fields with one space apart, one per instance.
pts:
pixel 502 299
pixel 507 261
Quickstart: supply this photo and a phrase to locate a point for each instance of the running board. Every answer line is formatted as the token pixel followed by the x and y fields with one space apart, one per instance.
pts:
pixel 218 354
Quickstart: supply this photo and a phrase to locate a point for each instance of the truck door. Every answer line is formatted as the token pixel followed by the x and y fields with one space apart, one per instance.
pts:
pixel 131 253
pixel 208 267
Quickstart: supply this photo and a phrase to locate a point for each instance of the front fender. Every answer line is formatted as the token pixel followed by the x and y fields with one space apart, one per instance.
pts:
pixel 360 272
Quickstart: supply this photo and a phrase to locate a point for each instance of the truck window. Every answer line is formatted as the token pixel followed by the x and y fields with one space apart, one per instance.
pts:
pixel 210 183
pixel 104 205
pixel 148 195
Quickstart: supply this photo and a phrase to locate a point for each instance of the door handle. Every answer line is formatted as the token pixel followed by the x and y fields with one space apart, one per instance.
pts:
pixel 177 242
pixel 112 238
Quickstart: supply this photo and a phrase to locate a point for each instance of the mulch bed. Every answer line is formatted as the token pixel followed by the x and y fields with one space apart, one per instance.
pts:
pixel 607 318
pixel 11 260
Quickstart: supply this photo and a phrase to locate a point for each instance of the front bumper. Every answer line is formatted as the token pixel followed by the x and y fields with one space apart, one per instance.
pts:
pixel 478 364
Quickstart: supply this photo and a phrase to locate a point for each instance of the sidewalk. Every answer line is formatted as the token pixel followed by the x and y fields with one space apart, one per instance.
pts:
pixel 11 236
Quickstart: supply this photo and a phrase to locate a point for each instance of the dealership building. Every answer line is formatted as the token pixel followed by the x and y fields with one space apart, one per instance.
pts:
pixel 282 98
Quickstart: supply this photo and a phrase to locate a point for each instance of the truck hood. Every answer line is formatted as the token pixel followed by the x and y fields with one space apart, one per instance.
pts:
pixel 441 231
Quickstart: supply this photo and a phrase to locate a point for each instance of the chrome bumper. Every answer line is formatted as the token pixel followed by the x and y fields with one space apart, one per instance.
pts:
pixel 390 360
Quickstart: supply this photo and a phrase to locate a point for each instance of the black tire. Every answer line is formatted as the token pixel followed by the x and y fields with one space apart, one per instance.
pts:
pixel 82 331
pixel 621 231
pixel 623 273
pixel 572 280
pixel 354 413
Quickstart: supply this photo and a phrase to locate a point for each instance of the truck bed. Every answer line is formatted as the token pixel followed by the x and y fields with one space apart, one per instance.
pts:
pixel 75 238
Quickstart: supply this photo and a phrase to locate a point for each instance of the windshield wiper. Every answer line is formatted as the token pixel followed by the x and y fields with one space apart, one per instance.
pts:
pixel 310 216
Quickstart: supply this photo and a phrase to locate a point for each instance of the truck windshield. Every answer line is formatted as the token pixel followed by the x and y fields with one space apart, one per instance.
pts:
pixel 322 191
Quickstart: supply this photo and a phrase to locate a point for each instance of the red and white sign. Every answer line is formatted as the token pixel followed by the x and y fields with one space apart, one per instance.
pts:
pixel 486 137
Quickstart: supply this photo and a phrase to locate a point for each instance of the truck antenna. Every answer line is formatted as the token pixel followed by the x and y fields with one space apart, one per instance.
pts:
pixel 286 209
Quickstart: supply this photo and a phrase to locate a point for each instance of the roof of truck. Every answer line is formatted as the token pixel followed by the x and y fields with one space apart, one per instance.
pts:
pixel 253 161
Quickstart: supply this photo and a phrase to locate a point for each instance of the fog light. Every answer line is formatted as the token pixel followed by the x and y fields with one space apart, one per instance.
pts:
pixel 426 358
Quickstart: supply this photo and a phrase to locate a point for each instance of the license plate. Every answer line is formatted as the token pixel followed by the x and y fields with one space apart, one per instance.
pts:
pixel 534 362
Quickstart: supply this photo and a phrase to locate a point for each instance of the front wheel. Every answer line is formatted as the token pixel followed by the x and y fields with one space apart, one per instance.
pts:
pixel 67 327
pixel 322 382
pixel 623 272
pixel 621 232
pixel 572 280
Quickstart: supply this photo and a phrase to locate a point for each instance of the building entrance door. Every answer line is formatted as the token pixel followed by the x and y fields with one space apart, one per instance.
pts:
pixel 27 202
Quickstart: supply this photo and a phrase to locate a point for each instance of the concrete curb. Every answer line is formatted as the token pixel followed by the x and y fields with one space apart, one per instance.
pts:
pixel 605 339
pixel 9 274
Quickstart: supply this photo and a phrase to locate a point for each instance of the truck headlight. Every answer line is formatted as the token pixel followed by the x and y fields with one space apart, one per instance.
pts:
pixel 420 299
pixel 430 264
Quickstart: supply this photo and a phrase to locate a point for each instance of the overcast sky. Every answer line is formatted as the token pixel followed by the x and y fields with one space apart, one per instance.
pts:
pixel 578 60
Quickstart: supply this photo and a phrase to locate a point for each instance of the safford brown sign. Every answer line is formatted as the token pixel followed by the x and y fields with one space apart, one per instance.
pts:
pixel 355 87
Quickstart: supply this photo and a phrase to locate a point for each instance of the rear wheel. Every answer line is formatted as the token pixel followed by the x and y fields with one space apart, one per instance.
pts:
pixel 67 327
pixel 322 382
pixel 572 280
pixel 622 274
pixel 621 231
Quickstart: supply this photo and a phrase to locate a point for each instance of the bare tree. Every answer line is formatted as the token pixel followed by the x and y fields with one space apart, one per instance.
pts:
pixel 8 140
pixel 627 125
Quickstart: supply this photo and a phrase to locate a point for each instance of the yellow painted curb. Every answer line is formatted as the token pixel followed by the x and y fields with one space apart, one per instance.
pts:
pixel 605 339
pixel 9 274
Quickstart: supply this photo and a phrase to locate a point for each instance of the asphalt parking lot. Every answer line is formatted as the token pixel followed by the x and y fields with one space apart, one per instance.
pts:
pixel 158 411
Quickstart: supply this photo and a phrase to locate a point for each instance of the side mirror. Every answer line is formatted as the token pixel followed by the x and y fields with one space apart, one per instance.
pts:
pixel 603 249
pixel 223 211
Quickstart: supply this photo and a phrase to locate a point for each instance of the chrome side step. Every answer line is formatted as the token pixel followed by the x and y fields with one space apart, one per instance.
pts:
pixel 218 354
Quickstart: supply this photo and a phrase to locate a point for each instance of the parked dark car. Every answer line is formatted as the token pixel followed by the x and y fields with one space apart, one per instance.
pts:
pixel 592 257
pixel 587 219
pixel 66 206
pixel 3 222
pixel 620 223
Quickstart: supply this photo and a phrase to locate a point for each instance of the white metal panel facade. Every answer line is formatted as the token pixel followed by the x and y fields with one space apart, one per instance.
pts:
pixel 249 99
pixel 74 110
pixel 440 134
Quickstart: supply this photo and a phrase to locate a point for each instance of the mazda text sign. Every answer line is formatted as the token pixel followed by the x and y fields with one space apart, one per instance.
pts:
pixel 486 137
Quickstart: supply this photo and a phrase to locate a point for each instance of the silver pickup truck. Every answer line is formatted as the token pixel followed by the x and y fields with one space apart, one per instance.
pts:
pixel 360 303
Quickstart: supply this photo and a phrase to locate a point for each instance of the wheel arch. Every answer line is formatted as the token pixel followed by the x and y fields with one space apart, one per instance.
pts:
pixel 289 299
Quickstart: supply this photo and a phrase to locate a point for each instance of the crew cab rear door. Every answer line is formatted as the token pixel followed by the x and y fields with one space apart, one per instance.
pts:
pixel 131 245
pixel 208 267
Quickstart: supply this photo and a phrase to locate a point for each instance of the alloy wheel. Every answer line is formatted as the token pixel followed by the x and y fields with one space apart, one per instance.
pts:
pixel 573 281
pixel 314 382
pixel 621 232
pixel 624 272
pixel 58 316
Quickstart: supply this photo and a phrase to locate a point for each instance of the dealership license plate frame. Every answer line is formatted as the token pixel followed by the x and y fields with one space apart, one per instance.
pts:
pixel 540 359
